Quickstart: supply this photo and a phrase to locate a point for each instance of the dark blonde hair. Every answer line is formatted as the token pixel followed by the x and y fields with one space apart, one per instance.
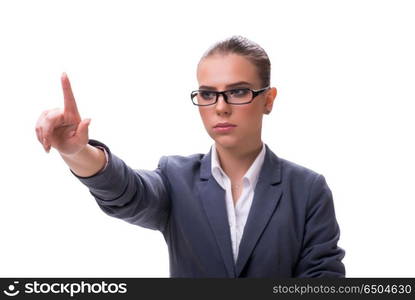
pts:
pixel 250 50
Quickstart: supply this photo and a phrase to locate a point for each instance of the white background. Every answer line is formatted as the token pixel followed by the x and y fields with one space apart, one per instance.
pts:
pixel 344 71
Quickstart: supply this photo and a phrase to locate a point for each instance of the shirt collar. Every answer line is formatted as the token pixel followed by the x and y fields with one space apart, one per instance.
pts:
pixel 251 175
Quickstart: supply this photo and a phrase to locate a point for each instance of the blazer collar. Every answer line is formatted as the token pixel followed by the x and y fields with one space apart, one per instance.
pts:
pixel 268 173
pixel 267 194
pixel 251 174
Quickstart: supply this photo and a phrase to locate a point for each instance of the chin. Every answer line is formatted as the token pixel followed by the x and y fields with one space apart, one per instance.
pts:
pixel 226 141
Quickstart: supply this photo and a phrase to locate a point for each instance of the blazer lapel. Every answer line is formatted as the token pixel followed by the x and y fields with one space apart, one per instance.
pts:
pixel 213 201
pixel 267 194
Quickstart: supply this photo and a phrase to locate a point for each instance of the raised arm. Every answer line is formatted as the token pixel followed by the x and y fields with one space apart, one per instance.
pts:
pixel 140 197
pixel 137 196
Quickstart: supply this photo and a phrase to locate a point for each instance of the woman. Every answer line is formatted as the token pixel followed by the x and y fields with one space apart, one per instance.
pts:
pixel 237 211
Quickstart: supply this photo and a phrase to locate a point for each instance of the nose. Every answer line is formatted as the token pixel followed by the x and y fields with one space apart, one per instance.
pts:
pixel 221 106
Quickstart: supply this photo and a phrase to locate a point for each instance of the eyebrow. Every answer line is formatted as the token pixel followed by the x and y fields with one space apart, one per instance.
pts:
pixel 205 87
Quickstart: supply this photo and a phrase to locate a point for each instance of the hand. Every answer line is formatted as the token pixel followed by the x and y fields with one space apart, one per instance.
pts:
pixel 63 129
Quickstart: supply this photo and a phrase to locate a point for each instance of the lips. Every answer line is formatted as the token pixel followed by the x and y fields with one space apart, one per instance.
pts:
pixel 224 124
pixel 224 128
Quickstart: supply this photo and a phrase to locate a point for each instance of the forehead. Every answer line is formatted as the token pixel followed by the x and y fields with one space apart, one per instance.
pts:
pixel 221 70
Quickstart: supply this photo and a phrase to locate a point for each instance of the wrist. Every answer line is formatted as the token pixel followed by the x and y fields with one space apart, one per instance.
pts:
pixel 87 150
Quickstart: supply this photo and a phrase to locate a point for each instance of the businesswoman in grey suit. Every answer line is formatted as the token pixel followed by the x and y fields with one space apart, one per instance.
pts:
pixel 238 210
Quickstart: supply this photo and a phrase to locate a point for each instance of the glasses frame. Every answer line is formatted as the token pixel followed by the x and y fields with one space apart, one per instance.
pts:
pixel 225 97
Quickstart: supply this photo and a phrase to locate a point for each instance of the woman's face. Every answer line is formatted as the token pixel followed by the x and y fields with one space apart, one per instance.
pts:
pixel 219 73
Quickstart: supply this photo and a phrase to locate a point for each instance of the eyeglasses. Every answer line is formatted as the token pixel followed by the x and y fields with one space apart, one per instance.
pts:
pixel 235 96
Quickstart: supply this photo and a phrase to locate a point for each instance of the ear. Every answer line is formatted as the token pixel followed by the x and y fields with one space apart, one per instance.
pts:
pixel 270 96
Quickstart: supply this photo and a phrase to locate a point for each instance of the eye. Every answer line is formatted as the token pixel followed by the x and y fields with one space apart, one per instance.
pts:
pixel 206 95
pixel 239 92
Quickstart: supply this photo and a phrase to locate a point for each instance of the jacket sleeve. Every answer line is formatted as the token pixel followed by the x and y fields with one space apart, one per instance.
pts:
pixel 139 197
pixel 320 255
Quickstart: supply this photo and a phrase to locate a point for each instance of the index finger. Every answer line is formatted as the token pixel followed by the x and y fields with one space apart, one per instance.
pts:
pixel 69 99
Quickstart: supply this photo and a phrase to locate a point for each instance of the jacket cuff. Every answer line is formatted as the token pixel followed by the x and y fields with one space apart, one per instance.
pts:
pixel 107 177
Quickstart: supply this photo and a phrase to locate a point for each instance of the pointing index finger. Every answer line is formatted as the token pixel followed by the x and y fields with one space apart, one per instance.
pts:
pixel 69 99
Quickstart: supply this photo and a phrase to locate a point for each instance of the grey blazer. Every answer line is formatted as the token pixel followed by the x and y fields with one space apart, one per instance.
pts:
pixel 291 230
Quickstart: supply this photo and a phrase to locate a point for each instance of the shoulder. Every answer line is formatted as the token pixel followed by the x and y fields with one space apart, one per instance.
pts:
pixel 296 175
pixel 305 186
pixel 295 169
pixel 299 177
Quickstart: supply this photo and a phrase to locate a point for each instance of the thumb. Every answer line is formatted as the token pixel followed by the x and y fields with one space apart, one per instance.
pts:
pixel 82 129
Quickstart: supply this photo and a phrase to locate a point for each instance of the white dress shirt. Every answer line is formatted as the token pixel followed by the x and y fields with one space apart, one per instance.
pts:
pixel 238 214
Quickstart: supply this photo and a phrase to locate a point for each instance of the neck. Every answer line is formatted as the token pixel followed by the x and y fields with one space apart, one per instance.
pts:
pixel 236 161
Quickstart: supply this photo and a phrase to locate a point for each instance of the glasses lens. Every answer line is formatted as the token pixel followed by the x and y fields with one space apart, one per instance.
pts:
pixel 238 96
pixel 203 97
